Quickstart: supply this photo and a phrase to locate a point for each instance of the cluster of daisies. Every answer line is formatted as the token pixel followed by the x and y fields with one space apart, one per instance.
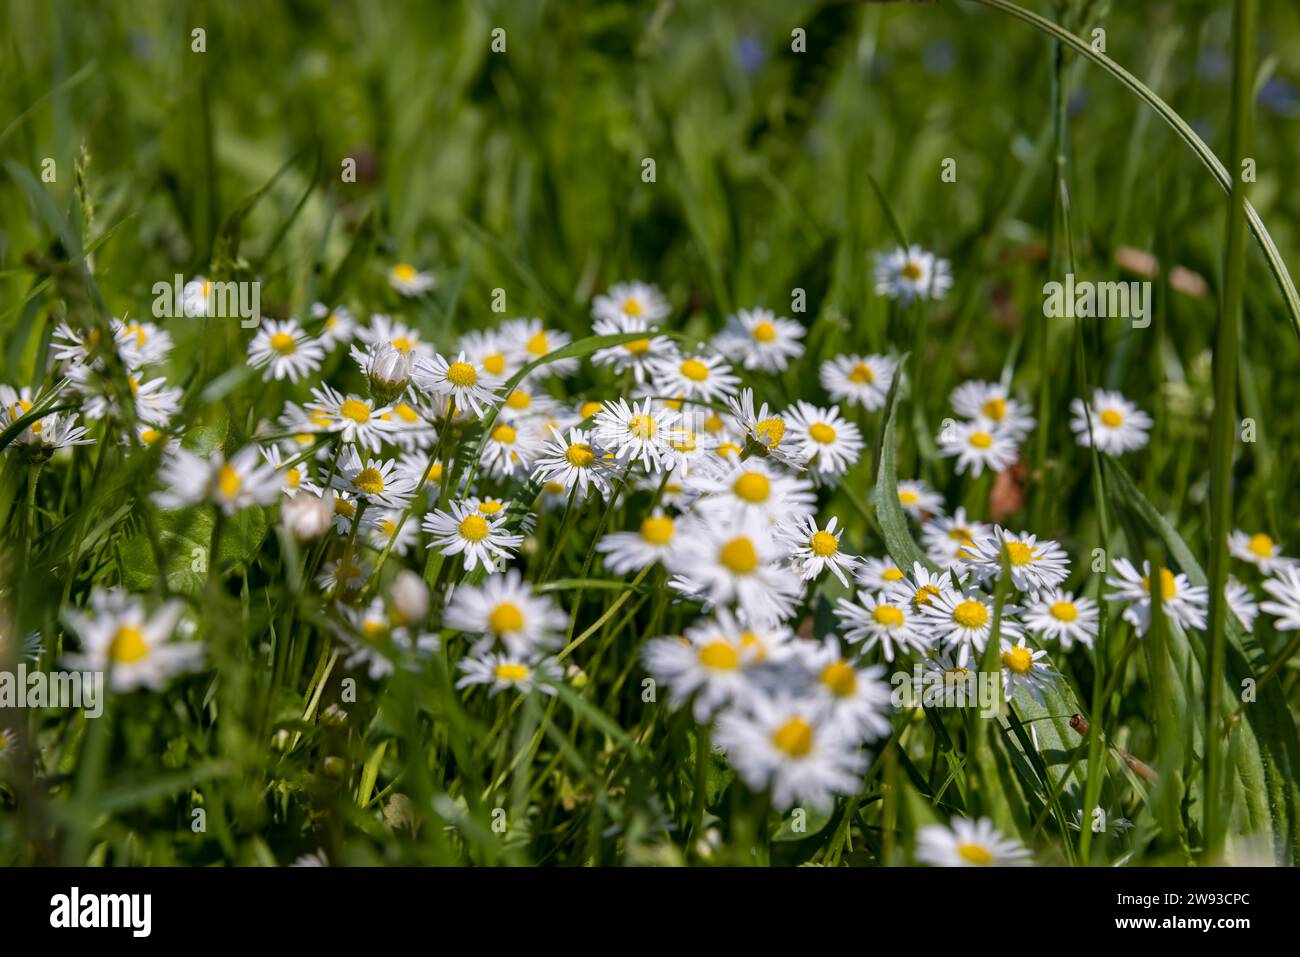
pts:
pixel 454 454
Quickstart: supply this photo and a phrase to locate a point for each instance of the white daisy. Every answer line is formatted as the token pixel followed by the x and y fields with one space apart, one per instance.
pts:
pixel 879 574
pixel 118 636
pixel 1241 603
pixel 353 418
pixel 504 608
pixel 308 515
pixel 632 551
pixel 573 461
pixel 764 431
pixel 827 442
pixel 238 483
pixel 1118 426
pixel 140 343
pixel 378 481
pixel 411 423
pixel 509 450
pixel 792 747
pixel 1285 589
pixel 464 530
pixel 880 620
pixel 154 402
pixel 527 340
pixel 485 349
pixel 911 274
pixel 948 541
pixel 1258 549
pixel 397 334
pixel 919 500
pixel 337 326
pixel 415 470
pixel 290 475
pixel 505 671
pixel 387 370
pixel 976 448
pixel 729 564
pixel 968 843
pixel 760 340
pixel 47 434
pixel 919 589
pixel 631 300
pixel 1056 615
pixel 962 619
pixel 858 699
pixel 635 355
pixel 347 575
pixel 813 550
pixel 708 666
pixel 465 384
pixel 990 403
pixel 703 376
pixel 377 642
pixel 1023 667
pixel 285 350
pixel 1181 601
pixel 858 380
pixel 751 491
pixel 1034 563
pixel 636 432
pixel 409 281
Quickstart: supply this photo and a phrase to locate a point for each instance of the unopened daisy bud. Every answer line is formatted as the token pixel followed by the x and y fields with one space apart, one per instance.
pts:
pixel 333 766
pixel 334 716
pixel 409 597
pixel 308 516
pixel 389 371
pixel 280 740
pixel 576 677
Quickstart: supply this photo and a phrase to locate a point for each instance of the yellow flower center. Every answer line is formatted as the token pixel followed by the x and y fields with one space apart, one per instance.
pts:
pixel 388 527
pixel 995 409
pixel 727 449
pixel 374 629
pixel 642 426
pixel 580 455
pixel 343 507
pixel 435 472
pixel 284 343
pixel 370 480
pixel 511 672
pixel 975 854
pixel 908 497
pixel 1019 553
pixel 495 363
pixel 795 738
pixel 150 436
pixel 892 574
pixel 862 374
pixel 657 530
pixel 538 344
pixel 970 614
pixel 685 442
pixel 1111 419
pixel 504 434
pixel 840 677
pixel 490 506
pixel 632 306
pixel 911 270
pixel 292 478
pixel 752 487
pixel 981 440
pixel 474 528
pixel 1018 660
pixel 506 617
pixel 713 424
pixel 695 370
pixel 739 556
pixel 890 616
pixel 402 344
pixel 589 409
pixel 765 332
pixel 404 272
pixel 355 410
pixel 637 346
pixel 519 399
pixel 821 433
pixel 770 432
pixel 128 645
pixel 1064 611
pixel 228 481
pixel 1168 584
pixel 1261 545
pixel 720 656
pixel 923 595
pixel 823 544
pixel 461 374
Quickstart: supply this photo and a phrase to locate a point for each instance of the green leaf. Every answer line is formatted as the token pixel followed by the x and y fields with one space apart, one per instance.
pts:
pixel 185 537
pixel 884 495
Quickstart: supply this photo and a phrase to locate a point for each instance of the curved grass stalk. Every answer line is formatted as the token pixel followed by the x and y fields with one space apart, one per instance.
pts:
pixel 1198 146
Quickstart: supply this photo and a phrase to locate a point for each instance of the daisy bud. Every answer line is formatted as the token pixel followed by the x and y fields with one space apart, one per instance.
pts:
pixel 389 372
pixel 308 516
pixel 409 597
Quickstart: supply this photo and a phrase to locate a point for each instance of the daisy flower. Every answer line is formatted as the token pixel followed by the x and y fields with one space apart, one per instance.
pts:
pixel 857 698
pixel 1118 426
pixel 632 551
pixel 346 574
pixel 760 340
pixel 794 748
pixel 1259 550
pixel 824 440
pixel 49 433
pixel 919 589
pixel 234 484
pixel 501 672
pixel 466 385
pixel 308 515
pixel 962 619
pixel 1285 606
pixel 751 491
pixel 132 645
pixel 880 620
pixel 414 469
pixel 409 281
pixel 813 550
pixel 764 431
pixel 976 448
pixel 485 349
pixel 1035 563
pixel 1056 615
pixel 397 334
pixel 703 376
pixel 858 380
pixel 411 425
pixel 346 513
pixel 729 564
pixel 706 667
pixel 636 432
pixel 140 343
pixel 947 684
pixel 911 274
pixel 353 418
pixel 635 355
pixel 631 300
pixel 1241 603
pixel 337 325
pixel 291 477
pixel 509 450
pixel 504 608
pixel 284 350
pixel 154 402
pixel 919 500
pixel 1182 601
pixel 967 843
pixel 948 541
pixel 1024 667
pixel 378 643
pixel 527 340
pixel 464 530
pixel 573 461
pixel 991 403
pixel 879 574
pixel 378 481
pixel 387 370
pixel 196 298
